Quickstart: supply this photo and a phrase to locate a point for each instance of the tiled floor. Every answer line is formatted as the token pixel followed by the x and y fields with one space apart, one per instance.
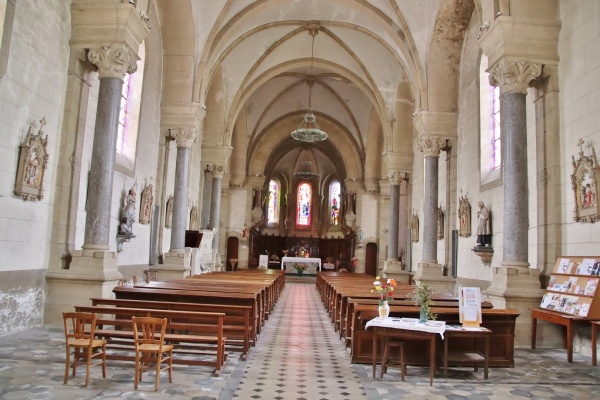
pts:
pixel 298 356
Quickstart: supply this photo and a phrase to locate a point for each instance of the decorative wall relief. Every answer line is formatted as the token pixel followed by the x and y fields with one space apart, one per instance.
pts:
pixel 440 223
pixel 415 227
pixel 146 203
pixel 169 215
pixel 464 216
pixel 584 182
pixel 194 218
pixel 33 161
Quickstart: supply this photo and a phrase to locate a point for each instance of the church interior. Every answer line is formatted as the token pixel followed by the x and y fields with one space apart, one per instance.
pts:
pixel 446 141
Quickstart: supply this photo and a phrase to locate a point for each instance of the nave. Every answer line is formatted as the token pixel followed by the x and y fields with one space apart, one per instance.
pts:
pixel 298 356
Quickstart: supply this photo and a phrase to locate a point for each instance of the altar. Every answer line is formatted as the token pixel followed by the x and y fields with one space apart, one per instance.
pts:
pixel 312 264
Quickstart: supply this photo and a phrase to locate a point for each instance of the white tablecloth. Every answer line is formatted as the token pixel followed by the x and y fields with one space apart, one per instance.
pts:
pixel 312 264
pixel 411 324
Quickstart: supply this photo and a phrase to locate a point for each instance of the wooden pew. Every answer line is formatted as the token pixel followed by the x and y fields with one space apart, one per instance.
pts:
pixel 201 333
pixel 237 325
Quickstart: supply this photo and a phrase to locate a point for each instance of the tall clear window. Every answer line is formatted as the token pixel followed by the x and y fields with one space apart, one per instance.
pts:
pixel 129 113
pixel 334 202
pixel 273 204
pixel 490 144
pixel 303 210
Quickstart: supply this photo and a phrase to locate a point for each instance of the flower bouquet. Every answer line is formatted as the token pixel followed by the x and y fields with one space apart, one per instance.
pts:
pixel 422 296
pixel 300 268
pixel 385 290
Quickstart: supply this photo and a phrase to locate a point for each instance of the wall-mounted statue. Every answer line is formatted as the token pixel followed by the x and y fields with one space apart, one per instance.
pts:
pixel 146 203
pixel 440 223
pixel 129 212
pixel 194 218
pixel 169 214
pixel 464 216
pixel 33 161
pixel 584 182
pixel 484 225
pixel 415 228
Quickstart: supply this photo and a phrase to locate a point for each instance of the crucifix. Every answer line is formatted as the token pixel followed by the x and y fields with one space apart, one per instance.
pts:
pixel 580 144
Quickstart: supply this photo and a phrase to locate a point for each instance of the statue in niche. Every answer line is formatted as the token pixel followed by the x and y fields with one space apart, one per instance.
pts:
pixel 484 226
pixel 464 215
pixel 169 215
pixel 146 203
pixel 584 181
pixel 33 161
pixel 194 218
pixel 128 213
pixel 440 221
pixel 415 228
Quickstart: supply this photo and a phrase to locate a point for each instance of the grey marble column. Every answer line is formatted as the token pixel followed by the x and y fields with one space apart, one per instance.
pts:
pixel 113 63
pixel 430 146
pixel 206 199
pixel 215 203
pixel 403 218
pixel 513 79
pixel 393 217
pixel 184 137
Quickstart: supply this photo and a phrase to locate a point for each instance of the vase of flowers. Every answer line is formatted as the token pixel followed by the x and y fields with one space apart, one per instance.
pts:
pixel 422 296
pixel 300 268
pixel 385 290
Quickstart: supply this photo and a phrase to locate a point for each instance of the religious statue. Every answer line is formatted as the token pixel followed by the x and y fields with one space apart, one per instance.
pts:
pixel 415 228
pixel 440 223
pixel 484 230
pixel 128 213
pixel 464 215
pixel 169 215
pixel 194 218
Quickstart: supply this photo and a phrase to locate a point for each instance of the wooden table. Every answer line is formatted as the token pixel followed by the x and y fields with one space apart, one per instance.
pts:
pixel 397 328
pixel 553 317
pixel 470 357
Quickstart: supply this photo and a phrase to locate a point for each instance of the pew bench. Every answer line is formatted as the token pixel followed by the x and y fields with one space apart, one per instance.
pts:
pixel 195 333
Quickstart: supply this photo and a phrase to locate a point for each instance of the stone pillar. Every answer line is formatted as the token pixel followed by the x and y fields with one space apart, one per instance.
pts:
pixel 206 197
pixel 392 267
pixel 177 260
pixel 93 270
pixel 403 221
pixel 428 269
pixel 514 284
pixel 217 172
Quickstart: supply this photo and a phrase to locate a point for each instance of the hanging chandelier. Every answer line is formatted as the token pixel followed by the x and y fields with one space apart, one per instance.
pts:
pixel 309 131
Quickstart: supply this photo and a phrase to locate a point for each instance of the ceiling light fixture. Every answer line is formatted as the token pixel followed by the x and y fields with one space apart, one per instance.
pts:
pixel 309 130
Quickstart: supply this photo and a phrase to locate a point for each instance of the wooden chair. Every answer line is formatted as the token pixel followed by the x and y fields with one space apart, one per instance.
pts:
pixel 79 335
pixel 149 338
pixel 392 343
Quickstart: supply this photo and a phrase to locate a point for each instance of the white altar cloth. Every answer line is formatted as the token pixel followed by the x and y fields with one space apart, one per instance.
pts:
pixel 312 264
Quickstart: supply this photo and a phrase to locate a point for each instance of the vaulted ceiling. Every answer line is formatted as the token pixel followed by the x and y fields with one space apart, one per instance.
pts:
pixel 374 62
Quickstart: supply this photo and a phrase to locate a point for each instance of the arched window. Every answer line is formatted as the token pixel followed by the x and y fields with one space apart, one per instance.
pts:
pixel 490 160
pixel 303 210
pixel 334 202
pixel 273 204
pixel 129 113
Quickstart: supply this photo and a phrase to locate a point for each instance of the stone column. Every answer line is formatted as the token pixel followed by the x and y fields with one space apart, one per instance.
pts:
pixel 177 258
pixel 206 198
pixel 217 172
pixel 515 284
pixel 428 269
pixel 392 267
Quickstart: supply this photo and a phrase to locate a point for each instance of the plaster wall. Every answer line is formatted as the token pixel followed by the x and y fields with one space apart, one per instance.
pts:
pixel 33 87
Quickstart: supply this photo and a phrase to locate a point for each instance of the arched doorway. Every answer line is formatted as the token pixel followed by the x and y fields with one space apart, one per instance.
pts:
pixel 371 259
pixel 232 253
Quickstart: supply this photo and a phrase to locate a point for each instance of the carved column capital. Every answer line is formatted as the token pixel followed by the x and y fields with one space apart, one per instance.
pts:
pixel 514 76
pixel 114 61
pixel 184 137
pixel 395 177
pixel 217 170
pixel 431 145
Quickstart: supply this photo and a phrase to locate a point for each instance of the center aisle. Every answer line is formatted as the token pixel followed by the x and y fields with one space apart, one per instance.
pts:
pixel 298 355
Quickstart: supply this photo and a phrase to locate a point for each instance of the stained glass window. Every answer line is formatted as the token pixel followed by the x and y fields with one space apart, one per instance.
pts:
pixel 303 204
pixel 334 198
pixel 273 205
